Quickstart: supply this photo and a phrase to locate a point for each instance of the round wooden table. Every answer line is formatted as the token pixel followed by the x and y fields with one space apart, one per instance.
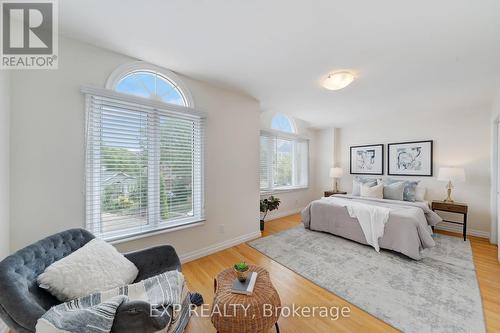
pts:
pixel 235 313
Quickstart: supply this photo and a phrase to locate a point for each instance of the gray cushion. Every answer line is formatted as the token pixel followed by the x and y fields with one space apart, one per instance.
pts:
pixel 22 302
pixel 20 296
pixel 394 191
pixel 358 181
pixel 409 193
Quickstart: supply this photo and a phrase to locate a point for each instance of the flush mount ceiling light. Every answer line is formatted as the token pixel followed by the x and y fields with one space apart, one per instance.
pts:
pixel 338 80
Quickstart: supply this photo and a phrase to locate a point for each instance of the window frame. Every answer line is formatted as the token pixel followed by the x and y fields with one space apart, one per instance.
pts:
pixel 157 227
pixel 292 137
pixel 140 66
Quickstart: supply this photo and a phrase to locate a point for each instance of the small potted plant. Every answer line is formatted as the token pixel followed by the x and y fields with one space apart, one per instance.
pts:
pixel 266 206
pixel 241 270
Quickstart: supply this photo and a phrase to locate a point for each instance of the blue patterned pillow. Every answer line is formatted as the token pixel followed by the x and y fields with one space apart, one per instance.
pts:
pixel 409 193
pixel 358 181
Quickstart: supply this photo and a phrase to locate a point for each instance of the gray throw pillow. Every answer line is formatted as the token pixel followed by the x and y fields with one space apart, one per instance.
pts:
pixel 409 193
pixel 358 181
pixel 394 191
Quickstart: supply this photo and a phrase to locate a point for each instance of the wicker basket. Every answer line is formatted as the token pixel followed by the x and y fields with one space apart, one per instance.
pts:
pixel 263 301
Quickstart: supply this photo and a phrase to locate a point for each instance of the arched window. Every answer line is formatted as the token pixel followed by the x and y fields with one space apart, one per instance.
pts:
pixel 149 81
pixel 144 158
pixel 282 123
pixel 284 157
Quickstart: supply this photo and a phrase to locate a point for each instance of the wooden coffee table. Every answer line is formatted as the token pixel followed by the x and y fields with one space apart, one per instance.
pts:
pixel 263 302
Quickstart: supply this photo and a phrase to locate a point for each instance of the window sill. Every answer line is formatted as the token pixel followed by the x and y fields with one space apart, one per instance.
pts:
pixel 118 239
pixel 284 190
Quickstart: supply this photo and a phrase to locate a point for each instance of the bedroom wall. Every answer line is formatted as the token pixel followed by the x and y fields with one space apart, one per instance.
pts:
pixel 4 163
pixel 47 155
pixel 461 138
pixel 294 201
pixel 327 142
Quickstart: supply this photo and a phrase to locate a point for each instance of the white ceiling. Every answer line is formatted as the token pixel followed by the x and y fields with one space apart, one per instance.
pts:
pixel 410 56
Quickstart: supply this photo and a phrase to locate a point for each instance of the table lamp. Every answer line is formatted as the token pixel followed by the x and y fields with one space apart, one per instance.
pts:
pixel 451 175
pixel 336 173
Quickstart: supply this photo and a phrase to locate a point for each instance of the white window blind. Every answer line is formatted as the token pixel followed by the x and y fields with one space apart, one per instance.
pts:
pixel 284 162
pixel 144 166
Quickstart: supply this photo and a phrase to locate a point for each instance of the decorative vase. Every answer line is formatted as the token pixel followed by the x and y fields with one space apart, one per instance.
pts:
pixel 261 225
pixel 242 276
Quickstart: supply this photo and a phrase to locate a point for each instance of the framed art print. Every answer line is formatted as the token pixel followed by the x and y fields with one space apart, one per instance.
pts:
pixel 367 160
pixel 410 158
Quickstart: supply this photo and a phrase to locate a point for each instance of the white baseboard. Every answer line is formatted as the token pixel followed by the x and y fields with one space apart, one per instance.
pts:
pixel 279 214
pixel 193 255
pixel 458 229
pixel 3 327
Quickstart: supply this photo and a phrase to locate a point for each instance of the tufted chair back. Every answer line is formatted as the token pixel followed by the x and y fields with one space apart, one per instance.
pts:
pixel 22 302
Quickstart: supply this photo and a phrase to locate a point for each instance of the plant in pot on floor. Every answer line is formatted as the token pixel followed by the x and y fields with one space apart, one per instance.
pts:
pixel 241 270
pixel 266 206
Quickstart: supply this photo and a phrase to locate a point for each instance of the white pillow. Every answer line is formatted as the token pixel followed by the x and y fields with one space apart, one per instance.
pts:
pixel 359 181
pixel 376 191
pixel 420 193
pixel 96 266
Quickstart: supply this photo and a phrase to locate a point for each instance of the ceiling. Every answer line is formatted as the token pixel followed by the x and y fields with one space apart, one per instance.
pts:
pixel 409 56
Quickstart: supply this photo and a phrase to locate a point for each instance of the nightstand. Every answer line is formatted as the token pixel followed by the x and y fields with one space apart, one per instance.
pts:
pixel 453 207
pixel 330 193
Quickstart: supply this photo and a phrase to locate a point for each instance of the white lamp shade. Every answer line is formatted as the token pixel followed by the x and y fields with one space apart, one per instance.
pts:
pixel 336 172
pixel 451 174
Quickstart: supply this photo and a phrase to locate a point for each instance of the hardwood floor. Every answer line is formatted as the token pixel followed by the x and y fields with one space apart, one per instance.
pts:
pixel 295 289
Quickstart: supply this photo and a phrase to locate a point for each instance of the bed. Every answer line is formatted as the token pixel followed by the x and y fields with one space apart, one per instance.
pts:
pixel 407 229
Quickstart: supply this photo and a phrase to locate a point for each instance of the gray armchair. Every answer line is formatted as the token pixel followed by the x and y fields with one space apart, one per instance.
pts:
pixel 22 302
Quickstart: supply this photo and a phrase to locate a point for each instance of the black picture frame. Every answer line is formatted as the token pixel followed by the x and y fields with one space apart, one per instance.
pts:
pixel 367 173
pixel 430 173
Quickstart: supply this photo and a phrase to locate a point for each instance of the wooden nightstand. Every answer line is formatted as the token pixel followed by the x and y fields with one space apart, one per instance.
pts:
pixel 330 193
pixel 453 207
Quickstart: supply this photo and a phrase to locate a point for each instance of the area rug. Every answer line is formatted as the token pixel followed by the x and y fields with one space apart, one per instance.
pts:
pixel 439 293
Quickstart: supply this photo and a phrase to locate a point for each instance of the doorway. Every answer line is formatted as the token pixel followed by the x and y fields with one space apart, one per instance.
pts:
pixel 495 183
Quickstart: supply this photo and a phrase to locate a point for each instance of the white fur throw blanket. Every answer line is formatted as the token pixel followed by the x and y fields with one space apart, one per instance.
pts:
pixel 95 313
pixel 372 219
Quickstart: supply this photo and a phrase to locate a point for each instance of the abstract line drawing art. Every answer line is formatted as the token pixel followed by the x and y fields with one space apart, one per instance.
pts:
pixel 410 158
pixel 367 160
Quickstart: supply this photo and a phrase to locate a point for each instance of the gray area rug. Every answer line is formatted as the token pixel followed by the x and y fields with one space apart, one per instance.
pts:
pixel 439 293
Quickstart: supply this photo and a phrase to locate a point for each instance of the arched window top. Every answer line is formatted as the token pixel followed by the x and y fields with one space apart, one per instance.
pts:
pixel 283 123
pixel 151 85
pixel 148 81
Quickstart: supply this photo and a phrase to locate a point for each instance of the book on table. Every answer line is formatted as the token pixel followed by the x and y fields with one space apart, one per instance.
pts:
pixel 245 288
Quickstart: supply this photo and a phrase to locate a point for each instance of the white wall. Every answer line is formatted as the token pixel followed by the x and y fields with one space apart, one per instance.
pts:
pixel 461 138
pixel 328 156
pixel 294 201
pixel 4 162
pixel 47 153
pixel 325 139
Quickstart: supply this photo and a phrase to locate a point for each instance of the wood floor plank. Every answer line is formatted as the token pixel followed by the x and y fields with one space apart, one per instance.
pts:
pixel 293 288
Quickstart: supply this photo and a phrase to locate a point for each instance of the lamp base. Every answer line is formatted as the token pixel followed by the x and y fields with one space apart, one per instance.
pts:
pixel 449 188
pixel 336 185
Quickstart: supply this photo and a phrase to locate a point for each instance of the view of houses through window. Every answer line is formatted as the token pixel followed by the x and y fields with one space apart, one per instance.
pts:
pixel 125 174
